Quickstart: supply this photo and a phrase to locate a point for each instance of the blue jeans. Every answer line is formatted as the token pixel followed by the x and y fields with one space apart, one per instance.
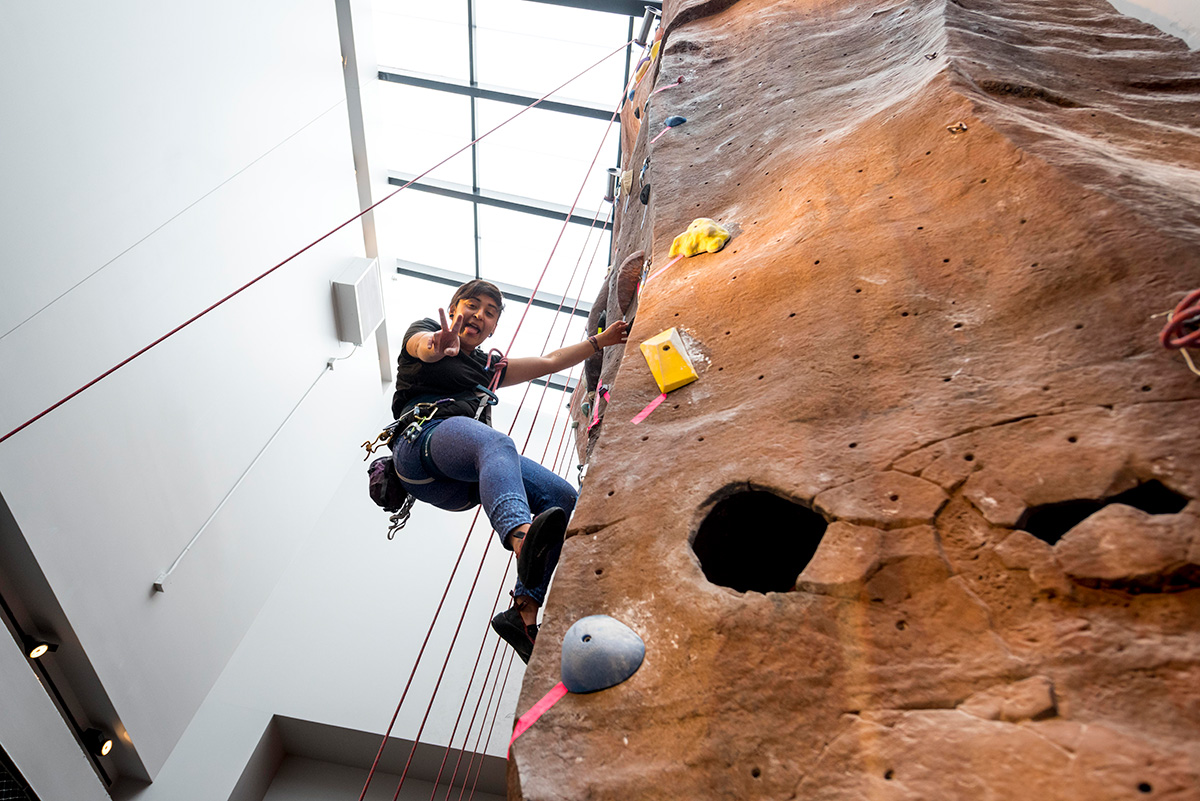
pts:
pixel 482 465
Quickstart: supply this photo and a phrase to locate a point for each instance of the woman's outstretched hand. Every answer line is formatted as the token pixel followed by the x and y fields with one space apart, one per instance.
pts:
pixel 445 342
pixel 615 334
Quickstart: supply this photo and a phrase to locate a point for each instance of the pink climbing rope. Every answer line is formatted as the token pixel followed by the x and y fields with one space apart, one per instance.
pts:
pixel 308 247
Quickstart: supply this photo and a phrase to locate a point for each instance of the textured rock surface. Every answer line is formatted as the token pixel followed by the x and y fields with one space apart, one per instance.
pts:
pixel 953 223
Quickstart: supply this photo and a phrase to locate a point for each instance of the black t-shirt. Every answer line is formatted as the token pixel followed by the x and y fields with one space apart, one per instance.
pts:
pixel 451 377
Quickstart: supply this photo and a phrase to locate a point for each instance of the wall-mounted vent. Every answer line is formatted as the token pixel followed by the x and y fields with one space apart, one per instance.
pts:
pixel 358 300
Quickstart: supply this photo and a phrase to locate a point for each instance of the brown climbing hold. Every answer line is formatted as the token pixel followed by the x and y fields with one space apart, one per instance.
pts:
pixel 1120 546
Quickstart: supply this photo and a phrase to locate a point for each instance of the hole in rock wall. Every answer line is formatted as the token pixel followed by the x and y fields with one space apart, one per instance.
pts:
pixel 1051 521
pixel 757 541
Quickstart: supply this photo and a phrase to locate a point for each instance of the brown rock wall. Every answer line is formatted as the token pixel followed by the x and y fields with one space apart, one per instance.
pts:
pixel 953 224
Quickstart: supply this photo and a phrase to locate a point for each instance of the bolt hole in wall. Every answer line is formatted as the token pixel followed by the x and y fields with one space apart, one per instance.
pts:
pixel 1051 521
pixel 757 541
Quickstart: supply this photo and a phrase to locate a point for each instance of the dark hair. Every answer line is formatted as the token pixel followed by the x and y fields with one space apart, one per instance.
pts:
pixel 478 288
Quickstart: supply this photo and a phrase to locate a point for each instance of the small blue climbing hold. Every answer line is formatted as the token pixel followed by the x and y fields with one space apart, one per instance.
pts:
pixel 600 652
pixel 671 122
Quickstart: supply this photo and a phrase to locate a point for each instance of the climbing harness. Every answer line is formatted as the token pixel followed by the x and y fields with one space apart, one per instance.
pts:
pixel 398 520
pixel 385 482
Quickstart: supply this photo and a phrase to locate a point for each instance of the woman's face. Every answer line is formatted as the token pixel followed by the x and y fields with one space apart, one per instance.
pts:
pixel 480 316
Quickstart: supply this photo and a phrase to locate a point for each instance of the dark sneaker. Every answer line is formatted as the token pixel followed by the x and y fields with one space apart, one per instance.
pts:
pixel 545 534
pixel 512 629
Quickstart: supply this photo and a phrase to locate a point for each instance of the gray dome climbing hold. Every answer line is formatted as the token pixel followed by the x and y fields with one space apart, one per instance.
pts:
pixel 671 122
pixel 600 652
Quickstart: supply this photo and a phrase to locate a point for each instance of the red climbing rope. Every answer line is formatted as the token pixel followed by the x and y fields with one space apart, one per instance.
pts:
pixel 511 427
pixel 462 708
pixel 462 618
pixel 562 230
pixel 474 716
pixel 491 727
pixel 1183 328
pixel 420 653
pixel 442 674
pixel 309 246
pixel 483 645
pixel 566 328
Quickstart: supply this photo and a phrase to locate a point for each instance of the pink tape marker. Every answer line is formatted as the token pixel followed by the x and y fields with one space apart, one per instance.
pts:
pixel 651 406
pixel 529 718
pixel 662 269
pixel 668 86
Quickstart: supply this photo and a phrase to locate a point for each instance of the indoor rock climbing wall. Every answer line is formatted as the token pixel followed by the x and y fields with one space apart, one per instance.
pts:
pixel 928 523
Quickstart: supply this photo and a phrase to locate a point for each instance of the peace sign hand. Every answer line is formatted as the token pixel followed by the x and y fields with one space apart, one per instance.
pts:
pixel 445 342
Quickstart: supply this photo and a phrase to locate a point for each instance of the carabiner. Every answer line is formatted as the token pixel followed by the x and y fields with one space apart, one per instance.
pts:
pixel 492 400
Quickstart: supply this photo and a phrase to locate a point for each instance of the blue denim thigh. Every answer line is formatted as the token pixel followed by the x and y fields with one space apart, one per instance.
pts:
pixel 454 496
pixel 544 489
pixel 466 450
pixel 512 488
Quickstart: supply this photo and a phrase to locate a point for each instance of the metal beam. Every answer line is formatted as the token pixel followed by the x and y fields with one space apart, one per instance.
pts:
pixel 474 133
pixel 632 8
pixel 557 381
pixel 502 95
pixel 500 200
pixel 520 294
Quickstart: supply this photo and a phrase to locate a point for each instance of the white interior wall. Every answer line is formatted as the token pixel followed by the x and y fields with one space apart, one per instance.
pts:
pixel 157 157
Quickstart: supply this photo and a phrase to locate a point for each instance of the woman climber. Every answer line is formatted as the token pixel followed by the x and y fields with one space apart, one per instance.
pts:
pixel 446 453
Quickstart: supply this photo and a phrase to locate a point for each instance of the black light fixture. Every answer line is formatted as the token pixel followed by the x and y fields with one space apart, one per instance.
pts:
pixel 97 742
pixel 36 647
pixel 648 20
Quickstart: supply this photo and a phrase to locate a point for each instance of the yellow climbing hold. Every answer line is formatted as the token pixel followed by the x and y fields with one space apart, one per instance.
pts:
pixel 669 362
pixel 702 236
pixel 654 50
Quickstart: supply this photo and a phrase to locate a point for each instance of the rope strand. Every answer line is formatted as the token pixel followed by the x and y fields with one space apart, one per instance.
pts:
pixel 313 244
pixel 516 416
